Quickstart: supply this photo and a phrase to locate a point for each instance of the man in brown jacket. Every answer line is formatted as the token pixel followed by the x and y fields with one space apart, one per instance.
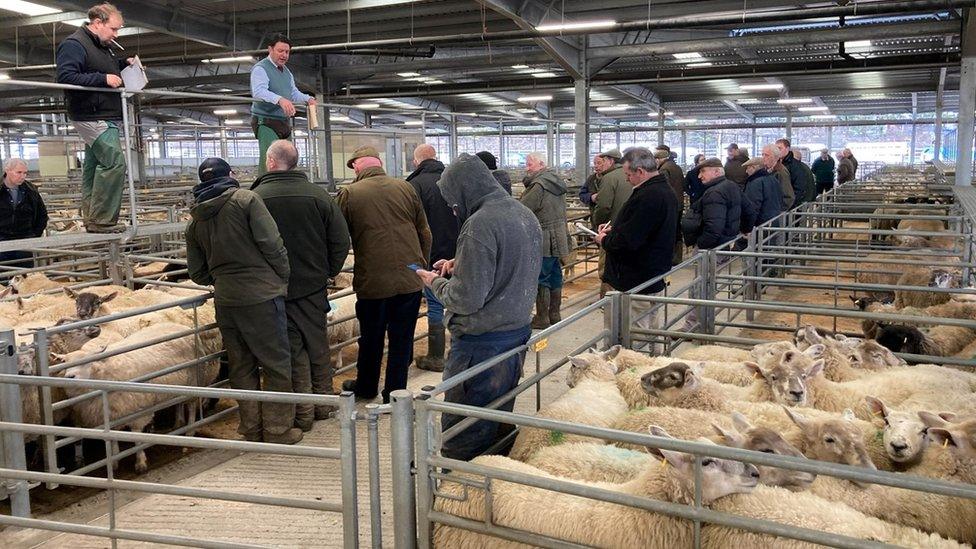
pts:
pixel 389 234
pixel 676 180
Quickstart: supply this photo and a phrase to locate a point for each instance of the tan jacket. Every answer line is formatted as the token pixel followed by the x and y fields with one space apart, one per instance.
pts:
pixel 389 231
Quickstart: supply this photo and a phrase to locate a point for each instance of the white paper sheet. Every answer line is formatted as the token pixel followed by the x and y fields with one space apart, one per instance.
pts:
pixel 134 76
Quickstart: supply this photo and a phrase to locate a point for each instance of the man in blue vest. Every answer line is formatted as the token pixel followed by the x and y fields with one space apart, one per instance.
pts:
pixel 89 58
pixel 275 94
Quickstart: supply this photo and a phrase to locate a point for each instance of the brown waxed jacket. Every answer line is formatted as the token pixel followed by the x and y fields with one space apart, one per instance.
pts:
pixel 676 180
pixel 389 231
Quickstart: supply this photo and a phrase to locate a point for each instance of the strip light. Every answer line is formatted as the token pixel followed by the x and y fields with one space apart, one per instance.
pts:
pixel 606 24
pixel 238 59
pixel 760 87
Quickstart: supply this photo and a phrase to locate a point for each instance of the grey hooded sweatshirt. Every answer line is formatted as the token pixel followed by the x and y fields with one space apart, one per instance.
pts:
pixel 496 269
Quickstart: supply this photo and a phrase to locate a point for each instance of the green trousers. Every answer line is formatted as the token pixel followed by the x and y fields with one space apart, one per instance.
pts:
pixel 103 179
pixel 266 136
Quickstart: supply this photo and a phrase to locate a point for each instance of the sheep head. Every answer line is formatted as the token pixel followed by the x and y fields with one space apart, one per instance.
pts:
pixel 765 351
pixel 837 440
pixel 72 340
pixel 904 434
pixel 959 438
pixel 592 365
pixel 942 278
pixel 787 377
pixel 25 360
pixel 868 354
pixel 747 436
pixel 902 339
pixel 88 303
pixel 720 477
pixel 677 377
pixel 808 335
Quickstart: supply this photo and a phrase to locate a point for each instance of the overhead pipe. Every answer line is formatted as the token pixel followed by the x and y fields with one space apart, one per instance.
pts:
pixel 678 22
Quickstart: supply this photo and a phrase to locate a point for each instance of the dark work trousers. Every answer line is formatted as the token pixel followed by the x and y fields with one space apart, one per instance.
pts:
pixel 26 259
pixel 256 339
pixel 468 351
pixel 395 317
pixel 824 187
pixel 311 370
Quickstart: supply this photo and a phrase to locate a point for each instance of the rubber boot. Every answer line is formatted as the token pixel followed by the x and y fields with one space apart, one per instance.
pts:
pixel 291 436
pixel 541 319
pixel 434 361
pixel 555 304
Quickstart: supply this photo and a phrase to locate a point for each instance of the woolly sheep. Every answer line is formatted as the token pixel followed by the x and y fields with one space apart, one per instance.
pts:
pixel 715 352
pixel 32 283
pixel 935 278
pixel 947 516
pixel 132 365
pixel 593 399
pixel 586 521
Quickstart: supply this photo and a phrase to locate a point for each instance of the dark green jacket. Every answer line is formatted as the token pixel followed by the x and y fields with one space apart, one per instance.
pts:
pixel 311 225
pixel 614 191
pixel 233 243
pixel 823 170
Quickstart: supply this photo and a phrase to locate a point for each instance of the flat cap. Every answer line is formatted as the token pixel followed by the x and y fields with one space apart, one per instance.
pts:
pixel 661 153
pixel 711 163
pixel 612 153
pixel 365 150
pixel 732 146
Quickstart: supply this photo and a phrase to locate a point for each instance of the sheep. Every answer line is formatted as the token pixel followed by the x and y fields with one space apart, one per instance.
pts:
pixel 586 521
pixel 937 341
pixel 806 510
pixel 342 323
pixel 715 352
pixel 133 365
pixel 947 516
pixel 603 463
pixel 846 359
pixel 32 283
pixel 593 399
pixel 695 391
pixel 933 278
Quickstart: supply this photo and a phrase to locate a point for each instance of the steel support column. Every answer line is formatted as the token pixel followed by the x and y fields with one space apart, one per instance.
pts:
pixel 453 139
pixel 550 145
pixel 582 119
pixel 967 102
pixel 660 126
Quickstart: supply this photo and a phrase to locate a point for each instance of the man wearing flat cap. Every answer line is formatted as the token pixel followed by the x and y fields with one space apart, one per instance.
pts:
pixel 676 180
pixel 614 191
pixel 389 234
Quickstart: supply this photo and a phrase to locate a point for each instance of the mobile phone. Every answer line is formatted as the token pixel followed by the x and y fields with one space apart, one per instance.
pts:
pixel 414 267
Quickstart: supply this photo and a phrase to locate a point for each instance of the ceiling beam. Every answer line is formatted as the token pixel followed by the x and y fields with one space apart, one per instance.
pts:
pixel 738 109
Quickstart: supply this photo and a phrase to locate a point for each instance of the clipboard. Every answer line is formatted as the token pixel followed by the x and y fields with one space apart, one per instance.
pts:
pixel 134 76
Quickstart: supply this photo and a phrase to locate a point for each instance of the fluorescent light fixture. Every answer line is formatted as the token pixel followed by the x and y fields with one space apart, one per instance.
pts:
pixel 366 106
pixel 687 56
pixel 686 121
pixel 534 98
pixel 704 64
pixel 16 121
pixel 813 109
pixel 668 113
pixel 30 133
pixel 874 96
pixel 527 111
pixel 858 44
pixel 748 101
pixel 27 8
pixel 823 116
pixel 154 130
pixel 238 59
pixel 795 100
pixel 408 74
pixel 613 108
pixel 220 112
pixel 520 67
pixel 606 24
pixel 414 123
pixel 760 87
pixel 225 90
pixel 300 133
pixel 234 122
pixel 4 76
pixel 435 82
pixel 544 75
pixel 340 118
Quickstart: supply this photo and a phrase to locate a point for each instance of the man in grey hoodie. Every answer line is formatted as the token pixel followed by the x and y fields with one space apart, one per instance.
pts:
pixel 488 298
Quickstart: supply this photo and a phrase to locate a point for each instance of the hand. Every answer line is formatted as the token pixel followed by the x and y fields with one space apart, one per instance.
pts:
pixel 131 60
pixel 426 276
pixel 312 102
pixel 444 266
pixel 287 106
pixel 604 228
pixel 593 197
pixel 601 233
pixel 113 81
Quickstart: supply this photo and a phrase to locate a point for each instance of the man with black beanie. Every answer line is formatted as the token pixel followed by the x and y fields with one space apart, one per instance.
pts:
pixel 233 243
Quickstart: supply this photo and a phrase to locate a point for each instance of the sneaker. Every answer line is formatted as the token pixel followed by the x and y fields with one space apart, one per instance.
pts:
pixel 105 229
pixel 291 436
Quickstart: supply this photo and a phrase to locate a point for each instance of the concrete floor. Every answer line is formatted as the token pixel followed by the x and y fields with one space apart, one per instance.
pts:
pixel 272 475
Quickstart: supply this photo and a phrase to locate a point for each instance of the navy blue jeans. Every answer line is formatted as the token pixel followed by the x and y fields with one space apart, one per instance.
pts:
pixel 468 351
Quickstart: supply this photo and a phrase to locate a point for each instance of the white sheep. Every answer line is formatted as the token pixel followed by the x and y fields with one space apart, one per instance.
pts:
pixel 593 399
pixel 340 330
pixel 719 353
pixel 32 283
pixel 135 364
pixel 586 521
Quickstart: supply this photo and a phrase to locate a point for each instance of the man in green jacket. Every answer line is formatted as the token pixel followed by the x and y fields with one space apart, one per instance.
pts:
pixel 614 191
pixel 317 240
pixel 232 242
pixel 389 235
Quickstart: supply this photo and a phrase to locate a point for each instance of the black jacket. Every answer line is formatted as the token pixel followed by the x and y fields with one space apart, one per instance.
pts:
pixel 311 226
pixel 444 226
pixel 798 180
pixel 28 219
pixel 764 198
pixel 693 185
pixel 641 243
pixel 83 61
pixel 720 208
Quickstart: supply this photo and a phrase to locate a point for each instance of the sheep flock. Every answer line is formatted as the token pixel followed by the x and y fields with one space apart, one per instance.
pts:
pixel 823 397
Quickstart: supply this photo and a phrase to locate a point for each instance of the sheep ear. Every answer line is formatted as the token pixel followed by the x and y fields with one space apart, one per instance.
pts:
pixel 815 351
pixel 692 380
pixel 942 436
pixel 58 358
pixel 679 460
pixel 654 430
pixel 932 420
pixel 756 369
pixel 849 414
pixel 579 362
pixel 109 297
pixel 877 407
pixel 740 422
pixel 815 368
pixel 7 290
pixel 69 292
pixel 840 337
pixel 951 417
pixel 811 335
pixel 853 299
pixel 798 419
pixel 612 352
pixel 20 303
